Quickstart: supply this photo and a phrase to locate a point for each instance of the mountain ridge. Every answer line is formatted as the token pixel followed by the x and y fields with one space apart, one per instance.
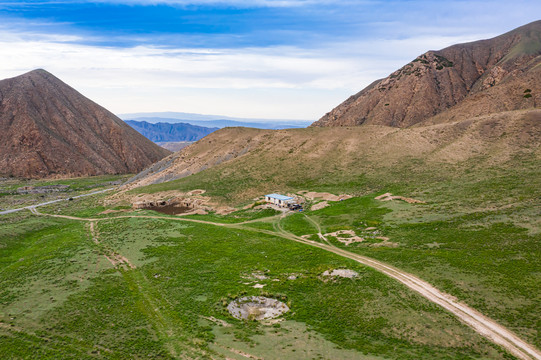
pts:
pixel 269 159
pixel 221 123
pixel 47 128
pixel 167 132
pixel 437 81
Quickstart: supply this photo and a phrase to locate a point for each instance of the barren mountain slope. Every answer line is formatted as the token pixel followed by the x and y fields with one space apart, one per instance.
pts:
pixel 273 159
pixel 494 72
pixel 49 129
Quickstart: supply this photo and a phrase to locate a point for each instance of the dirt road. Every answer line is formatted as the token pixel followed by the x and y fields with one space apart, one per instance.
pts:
pixel 485 326
pixel 5 212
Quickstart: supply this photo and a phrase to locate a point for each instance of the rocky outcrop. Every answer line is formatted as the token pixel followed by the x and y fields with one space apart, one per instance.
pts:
pixel 49 129
pixel 489 71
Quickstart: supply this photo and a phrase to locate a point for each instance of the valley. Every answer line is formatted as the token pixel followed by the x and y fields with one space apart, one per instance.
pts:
pixel 182 268
pixel 403 224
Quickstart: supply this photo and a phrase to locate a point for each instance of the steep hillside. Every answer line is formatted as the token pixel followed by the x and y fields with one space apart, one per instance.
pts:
pixel 165 132
pixel 248 162
pixel 49 129
pixel 499 74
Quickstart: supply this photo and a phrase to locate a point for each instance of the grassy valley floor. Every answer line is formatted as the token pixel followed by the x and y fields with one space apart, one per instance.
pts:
pixel 141 284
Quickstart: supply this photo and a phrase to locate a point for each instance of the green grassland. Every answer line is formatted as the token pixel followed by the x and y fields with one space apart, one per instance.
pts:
pixel 64 300
pixel 477 237
pixel 481 258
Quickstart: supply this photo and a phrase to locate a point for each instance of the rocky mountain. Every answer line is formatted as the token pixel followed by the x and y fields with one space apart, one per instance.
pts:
pixel 49 129
pixel 166 132
pixel 263 160
pixel 458 82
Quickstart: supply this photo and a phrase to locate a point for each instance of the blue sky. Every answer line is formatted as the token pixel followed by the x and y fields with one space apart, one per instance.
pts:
pixel 261 58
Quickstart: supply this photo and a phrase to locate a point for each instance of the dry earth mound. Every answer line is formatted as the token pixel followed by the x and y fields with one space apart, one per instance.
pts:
pixel 49 129
pixel 488 76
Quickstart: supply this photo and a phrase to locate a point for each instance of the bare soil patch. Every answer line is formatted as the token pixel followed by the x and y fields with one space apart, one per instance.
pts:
pixel 256 308
pixel 312 195
pixel 259 276
pixel 347 240
pixel 319 206
pixel 389 197
pixel 226 210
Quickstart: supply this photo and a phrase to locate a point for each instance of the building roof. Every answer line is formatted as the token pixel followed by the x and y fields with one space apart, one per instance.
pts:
pixel 279 197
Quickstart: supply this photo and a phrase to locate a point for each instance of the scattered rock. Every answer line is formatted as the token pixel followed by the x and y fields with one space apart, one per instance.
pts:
pixel 259 276
pixel 345 273
pixel 258 286
pixel 176 203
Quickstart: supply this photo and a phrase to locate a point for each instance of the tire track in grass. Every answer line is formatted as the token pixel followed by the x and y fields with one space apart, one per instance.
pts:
pixel 483 325
pixel 152 302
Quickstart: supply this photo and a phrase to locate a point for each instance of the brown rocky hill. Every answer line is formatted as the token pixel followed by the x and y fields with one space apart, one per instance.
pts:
pixel 247 162
pixel 49 129
pixel 487 76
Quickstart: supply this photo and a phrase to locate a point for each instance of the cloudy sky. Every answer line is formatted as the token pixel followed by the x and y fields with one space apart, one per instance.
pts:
pixel 288 59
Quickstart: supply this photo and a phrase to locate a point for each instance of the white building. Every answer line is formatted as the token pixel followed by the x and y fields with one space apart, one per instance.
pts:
pixel 280 200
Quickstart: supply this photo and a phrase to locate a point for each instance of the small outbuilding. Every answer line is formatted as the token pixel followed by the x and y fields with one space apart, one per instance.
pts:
pixel 280 200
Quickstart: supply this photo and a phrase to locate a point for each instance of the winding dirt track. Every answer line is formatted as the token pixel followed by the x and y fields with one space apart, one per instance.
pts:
pixel 485 326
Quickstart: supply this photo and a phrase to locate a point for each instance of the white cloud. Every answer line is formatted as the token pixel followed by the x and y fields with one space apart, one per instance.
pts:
pixel 274 82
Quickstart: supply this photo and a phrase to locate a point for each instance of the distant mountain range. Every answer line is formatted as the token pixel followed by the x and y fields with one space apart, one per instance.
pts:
pixel 458 82
pixel 48 128
pixel 218 121
pixel 167 132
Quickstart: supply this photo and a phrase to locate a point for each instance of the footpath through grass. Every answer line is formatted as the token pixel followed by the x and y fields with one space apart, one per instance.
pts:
pixel 188 272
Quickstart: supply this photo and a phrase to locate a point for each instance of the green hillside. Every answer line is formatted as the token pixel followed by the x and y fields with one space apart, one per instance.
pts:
pixel 94 278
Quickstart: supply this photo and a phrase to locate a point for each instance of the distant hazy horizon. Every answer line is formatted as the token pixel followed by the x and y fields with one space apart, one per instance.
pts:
pixel 201 117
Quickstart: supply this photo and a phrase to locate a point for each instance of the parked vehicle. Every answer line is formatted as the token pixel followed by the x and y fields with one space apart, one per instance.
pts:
pixel 294 207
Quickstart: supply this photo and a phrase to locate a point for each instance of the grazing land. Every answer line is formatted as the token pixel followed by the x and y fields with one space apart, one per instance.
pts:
pixel 107 281
pixel 415 232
